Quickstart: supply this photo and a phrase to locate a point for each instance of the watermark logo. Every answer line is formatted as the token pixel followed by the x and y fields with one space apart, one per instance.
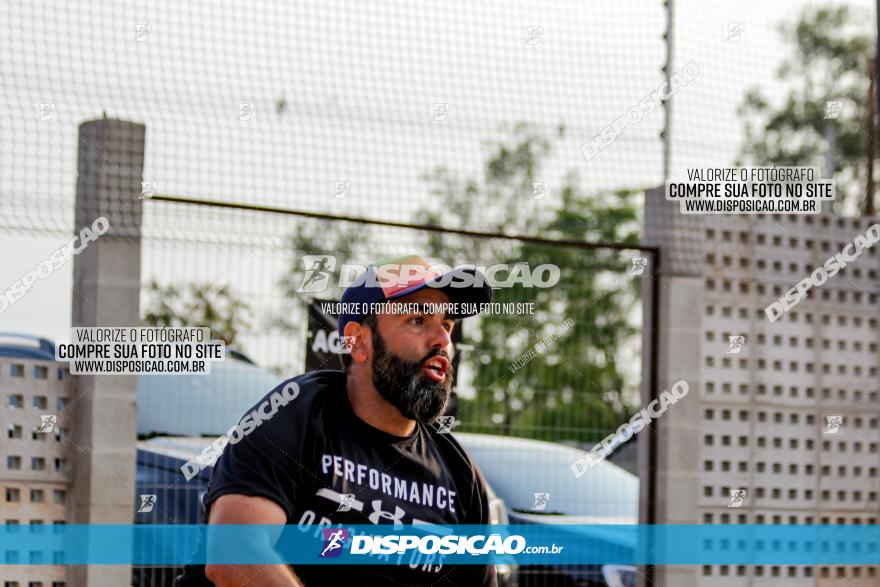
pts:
pixel 542 498
pixel 734 32
pixel 141 32
pixel 445 424
pixel 59 257
pixel 639 264
pixel 637 112
pixel 341 190
pixel 47 423
pixel 46 112
pixel 334 541
pixel 832 109
pixel 540 190
pixel 148 189
pixel 627 430
pixel 318 271
pixel 394 277
pixel 346 502
pixel 246 111
pixel 250 422
pixel 148 502
pixel 476 544
pixel 736 344
pixel 346 343
pixel 826 271
pixel 534 34
pixel 833 424
pixel 737 498
pixel 440 112
pixel 539 346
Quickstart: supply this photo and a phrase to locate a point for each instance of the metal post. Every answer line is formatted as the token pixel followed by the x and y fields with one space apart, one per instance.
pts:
pixel 667 102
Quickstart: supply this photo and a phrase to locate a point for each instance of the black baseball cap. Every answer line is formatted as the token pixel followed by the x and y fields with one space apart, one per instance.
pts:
pixel 394 278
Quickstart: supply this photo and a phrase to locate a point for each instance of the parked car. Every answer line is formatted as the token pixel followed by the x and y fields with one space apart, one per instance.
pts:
pixel 535 481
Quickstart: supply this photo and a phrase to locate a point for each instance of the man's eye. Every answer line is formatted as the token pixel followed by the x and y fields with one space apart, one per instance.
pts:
pixel 417 320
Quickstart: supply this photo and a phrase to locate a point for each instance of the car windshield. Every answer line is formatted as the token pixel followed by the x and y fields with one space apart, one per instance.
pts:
pixel 520 470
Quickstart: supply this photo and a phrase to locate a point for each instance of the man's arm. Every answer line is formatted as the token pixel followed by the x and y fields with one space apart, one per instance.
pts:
pixel 241 509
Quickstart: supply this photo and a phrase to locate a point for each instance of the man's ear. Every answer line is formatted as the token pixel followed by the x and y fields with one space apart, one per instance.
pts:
pixel 363 342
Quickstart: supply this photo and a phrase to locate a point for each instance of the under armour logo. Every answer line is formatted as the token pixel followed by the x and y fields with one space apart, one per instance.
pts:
pixel 318 270
pixel 47 423
pixel 147 503
pixel 379 514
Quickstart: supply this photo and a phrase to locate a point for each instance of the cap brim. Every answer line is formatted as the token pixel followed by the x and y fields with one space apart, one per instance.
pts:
pixel 471 296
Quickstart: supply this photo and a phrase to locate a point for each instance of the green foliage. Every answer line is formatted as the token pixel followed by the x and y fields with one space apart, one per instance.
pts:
pixel 831 48
pixel 197 305
pixel 573 390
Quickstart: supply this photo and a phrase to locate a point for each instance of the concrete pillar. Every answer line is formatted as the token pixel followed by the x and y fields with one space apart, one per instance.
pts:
pixel 672 464
pixel 106 292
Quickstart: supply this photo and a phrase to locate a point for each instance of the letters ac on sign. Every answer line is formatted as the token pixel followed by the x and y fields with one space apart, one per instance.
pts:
pixel 325 342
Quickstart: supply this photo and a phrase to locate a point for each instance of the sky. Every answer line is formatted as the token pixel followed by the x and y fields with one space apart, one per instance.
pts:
pixel 374 95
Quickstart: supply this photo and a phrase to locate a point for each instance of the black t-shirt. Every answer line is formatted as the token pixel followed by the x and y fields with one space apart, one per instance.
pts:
pixel 315 449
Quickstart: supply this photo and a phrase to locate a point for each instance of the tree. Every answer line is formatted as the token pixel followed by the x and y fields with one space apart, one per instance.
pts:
pixel 573 389
pixel 198 305
pixel 831 49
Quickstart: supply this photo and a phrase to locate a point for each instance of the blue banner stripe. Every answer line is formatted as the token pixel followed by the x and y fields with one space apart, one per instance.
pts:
pixel 565 544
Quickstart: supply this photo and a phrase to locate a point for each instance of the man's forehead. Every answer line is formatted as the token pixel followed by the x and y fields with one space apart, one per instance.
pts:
pixel 426 301
pixel 424 296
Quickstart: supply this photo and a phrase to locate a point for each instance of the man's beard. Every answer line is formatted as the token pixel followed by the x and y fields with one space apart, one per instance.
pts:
pixel 404 385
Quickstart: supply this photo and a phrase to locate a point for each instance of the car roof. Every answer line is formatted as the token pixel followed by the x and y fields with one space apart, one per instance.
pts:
pixel 513 465
pixel 201 404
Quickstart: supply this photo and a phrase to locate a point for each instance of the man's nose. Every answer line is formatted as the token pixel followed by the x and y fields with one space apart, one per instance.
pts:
pixel 440 337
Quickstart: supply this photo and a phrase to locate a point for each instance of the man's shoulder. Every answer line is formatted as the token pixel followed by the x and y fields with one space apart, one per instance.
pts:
pixel 450 447
pixel 304 391
pixel 314 382
pixel 285 411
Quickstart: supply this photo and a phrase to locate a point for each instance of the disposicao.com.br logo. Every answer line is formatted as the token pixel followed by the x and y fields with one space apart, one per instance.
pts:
pixel 477 544
pixel 319 270
pixel 334 542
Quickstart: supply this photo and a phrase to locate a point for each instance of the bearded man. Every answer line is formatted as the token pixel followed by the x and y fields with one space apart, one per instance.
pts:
pixel 363 445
